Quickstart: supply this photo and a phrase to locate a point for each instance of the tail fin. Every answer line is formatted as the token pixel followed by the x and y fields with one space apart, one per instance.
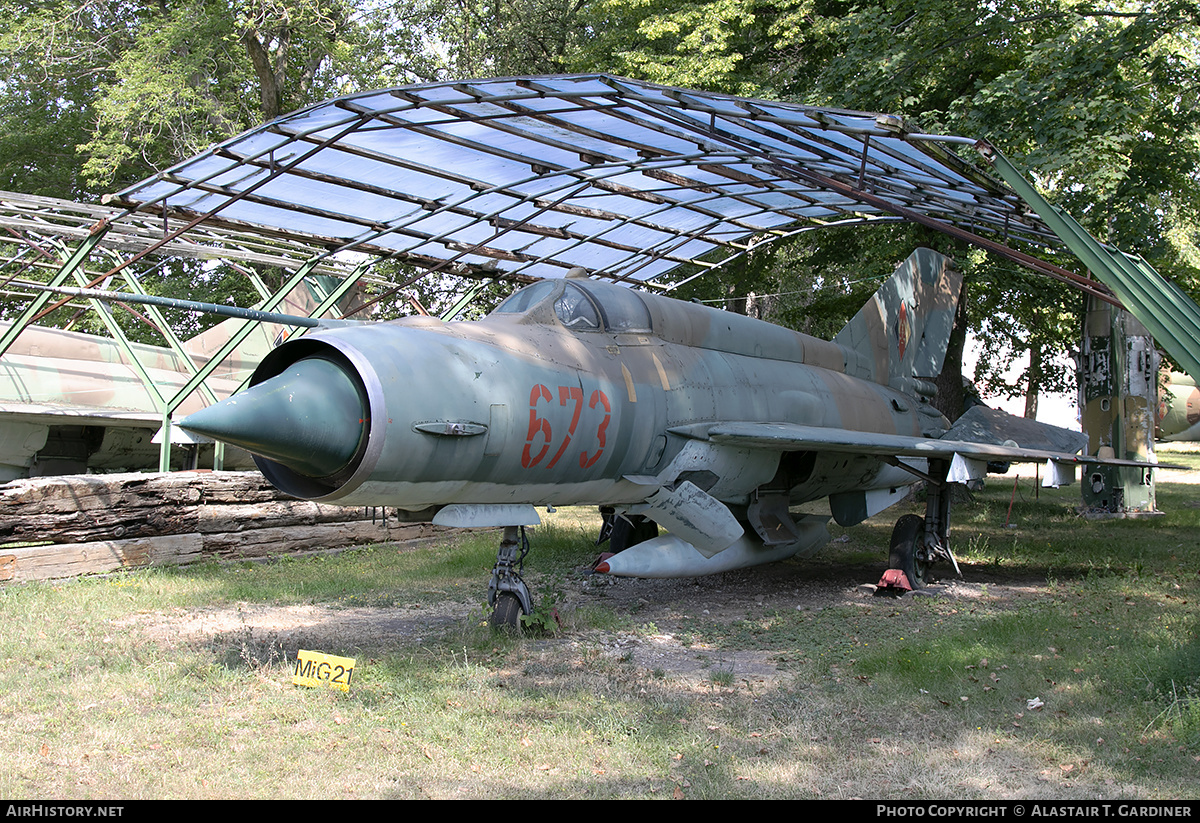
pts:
pixel 900 336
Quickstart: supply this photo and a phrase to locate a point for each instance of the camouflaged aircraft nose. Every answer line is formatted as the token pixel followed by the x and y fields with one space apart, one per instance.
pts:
pixel 311 418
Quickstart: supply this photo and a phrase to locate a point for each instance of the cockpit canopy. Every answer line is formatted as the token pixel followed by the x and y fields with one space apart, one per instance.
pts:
pixel 584 305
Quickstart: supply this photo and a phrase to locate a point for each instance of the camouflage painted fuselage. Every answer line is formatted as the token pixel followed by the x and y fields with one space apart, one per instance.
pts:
pixel 584 392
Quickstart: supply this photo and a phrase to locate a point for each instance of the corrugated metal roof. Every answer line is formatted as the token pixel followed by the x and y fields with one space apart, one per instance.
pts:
pixel 532 176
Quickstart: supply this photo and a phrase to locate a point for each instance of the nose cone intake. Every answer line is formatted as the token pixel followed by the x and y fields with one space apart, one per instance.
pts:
pixel 311 418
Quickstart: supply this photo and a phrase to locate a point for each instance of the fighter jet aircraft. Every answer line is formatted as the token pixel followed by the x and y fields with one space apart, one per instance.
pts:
pixel 711 425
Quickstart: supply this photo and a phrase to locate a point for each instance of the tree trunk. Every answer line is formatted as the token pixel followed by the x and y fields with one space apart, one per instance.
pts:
pixel 1035 382
pixel 949 399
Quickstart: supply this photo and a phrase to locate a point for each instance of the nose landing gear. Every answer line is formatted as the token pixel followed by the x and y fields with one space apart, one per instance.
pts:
pixel 507 593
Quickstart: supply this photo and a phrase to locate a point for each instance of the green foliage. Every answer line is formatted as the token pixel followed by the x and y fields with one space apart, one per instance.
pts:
pixel 709 44
pixel 197 73
pixel 510 37
pixel 103 94
pixel 165 99
pixel 397 289
pixel 98 95
pixel 53 55
pixel 1019 316
pixel 544 620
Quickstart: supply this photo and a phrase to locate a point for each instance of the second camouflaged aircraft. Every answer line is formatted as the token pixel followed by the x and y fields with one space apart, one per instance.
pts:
pixel 709 424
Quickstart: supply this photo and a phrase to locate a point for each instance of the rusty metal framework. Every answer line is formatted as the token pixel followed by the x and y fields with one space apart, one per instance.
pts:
pixel 40 232
pixel 30 220
pixel 530 177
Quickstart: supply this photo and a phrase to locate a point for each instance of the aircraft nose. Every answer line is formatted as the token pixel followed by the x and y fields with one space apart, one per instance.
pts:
pixel 311 417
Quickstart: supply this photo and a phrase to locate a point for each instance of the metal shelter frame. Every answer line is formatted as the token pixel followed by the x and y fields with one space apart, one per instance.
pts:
pixel 86 244
pixel 527 178
pixel 533 176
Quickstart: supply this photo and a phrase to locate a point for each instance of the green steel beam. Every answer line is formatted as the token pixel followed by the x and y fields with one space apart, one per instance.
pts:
pixel 1170 316
pixel 176 345
pixel 232 343
pixel 73 263
pixel 164 449
pixel 466 299
pixel 237 337
pixel 338 293
pixel 173 341
pixel 122 341
pixel 329 302
pixel 164 328
pixel 255 280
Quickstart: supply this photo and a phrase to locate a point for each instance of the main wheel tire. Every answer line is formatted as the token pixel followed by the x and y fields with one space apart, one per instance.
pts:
pixel 629 531
pixel 903 555
pixel 507 614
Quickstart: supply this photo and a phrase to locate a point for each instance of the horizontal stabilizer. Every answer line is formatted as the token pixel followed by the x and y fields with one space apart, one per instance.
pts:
pixel 981 424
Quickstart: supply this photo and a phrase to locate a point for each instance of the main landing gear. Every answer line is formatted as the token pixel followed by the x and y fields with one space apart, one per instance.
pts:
pixel 622 531
pixel 507 593
pixel 919 542
pixel 908 553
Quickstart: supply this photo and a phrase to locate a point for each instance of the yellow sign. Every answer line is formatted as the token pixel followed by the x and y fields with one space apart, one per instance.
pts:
pixel 315 669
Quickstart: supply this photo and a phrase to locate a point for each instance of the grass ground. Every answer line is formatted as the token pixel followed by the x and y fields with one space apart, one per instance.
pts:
pixel 1064 665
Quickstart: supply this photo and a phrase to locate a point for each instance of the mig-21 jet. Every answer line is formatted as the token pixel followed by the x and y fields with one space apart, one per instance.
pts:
pixel 709 425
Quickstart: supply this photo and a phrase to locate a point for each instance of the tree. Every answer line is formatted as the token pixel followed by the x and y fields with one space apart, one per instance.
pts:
pixel 511 37
pixel 196 73
pixel 100 95
pixel 53 58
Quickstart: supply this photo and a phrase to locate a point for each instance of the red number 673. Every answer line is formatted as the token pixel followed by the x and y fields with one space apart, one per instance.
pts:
pixel 541 434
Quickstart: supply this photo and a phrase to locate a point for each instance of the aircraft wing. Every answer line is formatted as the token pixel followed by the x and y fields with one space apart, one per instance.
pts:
pixel 795 437
pixel 78 415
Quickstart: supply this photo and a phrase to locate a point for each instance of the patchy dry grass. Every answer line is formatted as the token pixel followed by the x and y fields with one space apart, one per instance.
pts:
pixel 1064 665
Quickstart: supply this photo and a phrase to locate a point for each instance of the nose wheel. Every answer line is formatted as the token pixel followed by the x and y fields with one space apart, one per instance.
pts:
pixel 507 593
pixel 506 616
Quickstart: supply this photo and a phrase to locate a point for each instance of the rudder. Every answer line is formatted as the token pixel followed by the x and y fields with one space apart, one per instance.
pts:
pixel 900 336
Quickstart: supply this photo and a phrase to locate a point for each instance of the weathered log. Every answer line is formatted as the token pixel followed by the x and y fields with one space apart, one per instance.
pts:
pixel 48 562
pixel 212 519
pixel 102 556
pixel 299 539
pixel 98 491
pixel 82 508
pixel 104 523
